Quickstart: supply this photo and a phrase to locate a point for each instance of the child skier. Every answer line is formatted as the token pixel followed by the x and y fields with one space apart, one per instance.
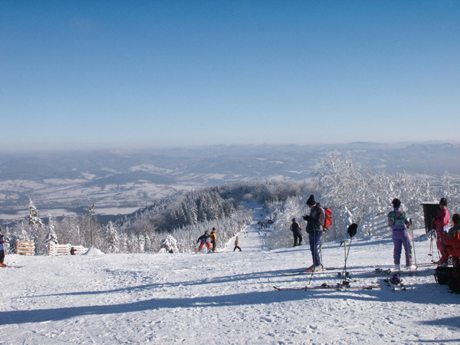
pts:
pixel 236 246
pixel 401 238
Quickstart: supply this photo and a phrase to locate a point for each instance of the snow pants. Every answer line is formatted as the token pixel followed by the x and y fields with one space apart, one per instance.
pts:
pixel 202 244
pixel 2 256
pixel 441 237
pixel 297 238
pixel 401 238
pixel 315 246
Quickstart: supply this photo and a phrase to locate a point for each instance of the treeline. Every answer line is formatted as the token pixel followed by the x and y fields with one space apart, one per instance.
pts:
pixel 185 217
pixel 362 195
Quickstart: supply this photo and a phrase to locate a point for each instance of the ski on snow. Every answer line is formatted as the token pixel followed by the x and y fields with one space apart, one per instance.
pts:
pixel 395 283
pixel 339 286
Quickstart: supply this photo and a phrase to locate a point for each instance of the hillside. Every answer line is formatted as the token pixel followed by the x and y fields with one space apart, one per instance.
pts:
pixel 223 298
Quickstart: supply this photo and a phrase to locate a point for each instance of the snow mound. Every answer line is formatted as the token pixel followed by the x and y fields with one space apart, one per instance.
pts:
pixel 94 252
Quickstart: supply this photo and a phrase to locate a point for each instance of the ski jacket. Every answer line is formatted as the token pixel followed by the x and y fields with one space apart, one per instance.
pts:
pixel 454 233
pixel 441 220
pixel 315 220
pixel 397 220
pixel 295 227
pixel 204 238
pixel 2 247
pixel 213 235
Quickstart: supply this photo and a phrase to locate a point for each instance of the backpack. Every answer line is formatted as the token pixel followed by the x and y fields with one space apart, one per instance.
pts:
pixel 399 220
pixel 327 218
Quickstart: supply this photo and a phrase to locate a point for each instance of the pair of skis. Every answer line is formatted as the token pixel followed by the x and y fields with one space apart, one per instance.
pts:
pixel 395 283
pixel 345 285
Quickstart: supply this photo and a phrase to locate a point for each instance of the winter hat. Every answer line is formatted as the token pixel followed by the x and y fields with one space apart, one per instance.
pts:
pixel 443 202
pixel 396 203
pixel 311 200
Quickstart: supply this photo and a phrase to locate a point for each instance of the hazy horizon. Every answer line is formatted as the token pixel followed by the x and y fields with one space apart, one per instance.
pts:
pixel 91 74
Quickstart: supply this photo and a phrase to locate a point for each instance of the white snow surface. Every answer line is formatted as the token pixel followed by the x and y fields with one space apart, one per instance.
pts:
pixel 223 298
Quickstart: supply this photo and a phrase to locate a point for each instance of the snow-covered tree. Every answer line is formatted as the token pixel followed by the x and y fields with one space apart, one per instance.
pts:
pixel 37 229
pixel 169 245
pixel 111 238
pixel 52 236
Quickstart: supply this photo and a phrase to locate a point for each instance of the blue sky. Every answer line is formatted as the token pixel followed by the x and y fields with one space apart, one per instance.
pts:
pixel 100 74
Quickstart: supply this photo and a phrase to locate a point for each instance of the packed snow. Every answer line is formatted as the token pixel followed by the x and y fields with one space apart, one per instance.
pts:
pixel 224 298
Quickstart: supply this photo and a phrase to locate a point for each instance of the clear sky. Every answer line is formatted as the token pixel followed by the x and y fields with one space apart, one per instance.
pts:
pixel 99 74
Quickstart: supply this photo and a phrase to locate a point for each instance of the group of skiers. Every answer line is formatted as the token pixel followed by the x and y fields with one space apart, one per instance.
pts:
pixel 209 240
pixel 447 240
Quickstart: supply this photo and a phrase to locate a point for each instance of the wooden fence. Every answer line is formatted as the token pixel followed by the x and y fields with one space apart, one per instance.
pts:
pixel 65 249
pixel 58 249
pixel 25 247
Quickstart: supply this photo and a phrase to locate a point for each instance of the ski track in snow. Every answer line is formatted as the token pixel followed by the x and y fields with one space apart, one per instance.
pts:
pixel 223 298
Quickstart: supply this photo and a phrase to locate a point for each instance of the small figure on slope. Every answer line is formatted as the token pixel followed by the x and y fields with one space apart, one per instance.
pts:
pixel 2 250
pixel 441 223
pixel 214 239
pixel 236 244
pixel 315 229
pixel 204 240
pixel 399 224
pixel 296 232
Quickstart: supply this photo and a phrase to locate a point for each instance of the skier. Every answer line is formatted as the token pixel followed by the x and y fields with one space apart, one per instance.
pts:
pixel 453 240
pixel 296 231
pixel 314 229
pixel 213 239
pixel 204 240
pixel 441 223
pixel 399 224
pixel 2 250
pixel 236 244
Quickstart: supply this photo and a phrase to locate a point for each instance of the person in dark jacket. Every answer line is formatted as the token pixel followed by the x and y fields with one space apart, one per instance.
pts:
pixel 204 240
pixel 315 229
pixel 2 250
pixel 296 231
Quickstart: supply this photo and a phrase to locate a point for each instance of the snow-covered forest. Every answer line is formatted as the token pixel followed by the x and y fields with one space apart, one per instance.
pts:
pixel 353 192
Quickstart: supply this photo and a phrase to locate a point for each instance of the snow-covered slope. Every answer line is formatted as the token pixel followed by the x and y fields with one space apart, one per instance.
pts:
pixel 222 298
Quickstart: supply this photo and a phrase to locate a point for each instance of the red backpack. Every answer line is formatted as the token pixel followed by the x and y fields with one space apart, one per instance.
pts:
pixel 327 218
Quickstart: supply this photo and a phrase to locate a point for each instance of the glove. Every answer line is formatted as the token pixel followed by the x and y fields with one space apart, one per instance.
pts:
pixel 306 217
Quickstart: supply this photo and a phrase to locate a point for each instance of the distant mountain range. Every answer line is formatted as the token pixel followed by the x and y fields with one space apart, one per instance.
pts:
pixel 119 182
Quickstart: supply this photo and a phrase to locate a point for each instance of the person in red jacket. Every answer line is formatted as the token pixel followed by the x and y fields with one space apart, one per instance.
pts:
pixel 441 223
pixel 453 240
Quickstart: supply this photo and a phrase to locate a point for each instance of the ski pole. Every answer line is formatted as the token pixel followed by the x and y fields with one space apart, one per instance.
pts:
pixel 413 242
pixel 346 258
